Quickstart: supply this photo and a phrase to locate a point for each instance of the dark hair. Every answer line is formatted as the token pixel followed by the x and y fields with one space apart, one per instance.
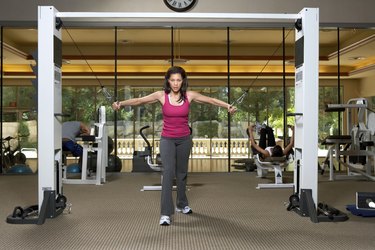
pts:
pixel 184 86
pixel 277 151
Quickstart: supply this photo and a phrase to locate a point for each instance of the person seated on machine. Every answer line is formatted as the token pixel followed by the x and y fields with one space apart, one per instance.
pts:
pixel 267 145
pixel 70 130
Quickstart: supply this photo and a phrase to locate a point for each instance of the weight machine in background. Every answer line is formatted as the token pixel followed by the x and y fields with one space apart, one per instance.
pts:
pixel 357 146
pixel 97 143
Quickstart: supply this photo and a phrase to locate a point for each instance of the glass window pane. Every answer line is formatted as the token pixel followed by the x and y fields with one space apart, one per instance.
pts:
pixel 26 97
pixel 10 96
pixel 328 121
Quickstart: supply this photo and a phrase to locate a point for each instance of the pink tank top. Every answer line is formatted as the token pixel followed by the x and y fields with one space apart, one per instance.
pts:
pixel 175 119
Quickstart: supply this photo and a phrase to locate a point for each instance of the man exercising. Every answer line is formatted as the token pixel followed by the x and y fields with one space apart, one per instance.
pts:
pixel 269 149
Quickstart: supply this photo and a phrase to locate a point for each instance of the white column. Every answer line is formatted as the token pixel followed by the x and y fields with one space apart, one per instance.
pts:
pixel 307 99
pixel 49 100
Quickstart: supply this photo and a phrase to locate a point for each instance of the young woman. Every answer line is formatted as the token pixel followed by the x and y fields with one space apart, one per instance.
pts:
pixel 175 142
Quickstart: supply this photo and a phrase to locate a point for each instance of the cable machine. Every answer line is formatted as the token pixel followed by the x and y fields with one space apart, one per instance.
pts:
pixel 51 202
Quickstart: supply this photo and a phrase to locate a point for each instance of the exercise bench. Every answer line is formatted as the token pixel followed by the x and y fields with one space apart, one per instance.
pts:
pixel 277 164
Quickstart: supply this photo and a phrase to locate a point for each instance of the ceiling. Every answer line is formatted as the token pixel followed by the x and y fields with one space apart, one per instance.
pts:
pixel 144 52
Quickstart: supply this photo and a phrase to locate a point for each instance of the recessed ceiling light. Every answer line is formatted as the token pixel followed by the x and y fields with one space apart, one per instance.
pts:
pixel 356 58
pixel 178 60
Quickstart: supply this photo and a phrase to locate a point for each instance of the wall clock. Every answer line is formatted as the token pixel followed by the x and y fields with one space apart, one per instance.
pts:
pixel 180 5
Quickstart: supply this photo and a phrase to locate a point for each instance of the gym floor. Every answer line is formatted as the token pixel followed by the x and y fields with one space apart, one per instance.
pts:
pixel 229 213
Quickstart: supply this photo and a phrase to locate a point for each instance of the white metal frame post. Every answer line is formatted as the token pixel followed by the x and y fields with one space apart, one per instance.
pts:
pixel 307 101
pixel 305 199
pixel 51 202
pixel 49 102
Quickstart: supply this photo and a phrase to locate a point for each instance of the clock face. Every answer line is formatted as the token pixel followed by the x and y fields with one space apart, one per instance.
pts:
pixel 180 5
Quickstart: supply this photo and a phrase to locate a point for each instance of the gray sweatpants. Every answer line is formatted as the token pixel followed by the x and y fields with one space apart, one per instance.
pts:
pixel 174 154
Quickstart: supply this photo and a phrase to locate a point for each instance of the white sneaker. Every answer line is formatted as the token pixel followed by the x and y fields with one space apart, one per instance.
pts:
pixel 185 210
pixel 165 220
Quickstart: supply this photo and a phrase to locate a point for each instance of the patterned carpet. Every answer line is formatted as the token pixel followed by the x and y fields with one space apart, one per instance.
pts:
pixel 229 213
